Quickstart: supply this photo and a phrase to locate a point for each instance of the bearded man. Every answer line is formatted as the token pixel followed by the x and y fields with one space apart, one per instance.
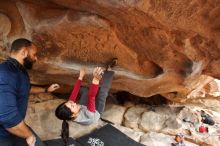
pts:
pixel 14 92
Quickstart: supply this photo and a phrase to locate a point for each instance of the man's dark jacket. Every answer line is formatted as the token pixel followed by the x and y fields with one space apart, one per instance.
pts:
pixel 14 92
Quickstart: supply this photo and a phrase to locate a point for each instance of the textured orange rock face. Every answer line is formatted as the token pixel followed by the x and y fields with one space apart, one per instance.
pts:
pixel 162 46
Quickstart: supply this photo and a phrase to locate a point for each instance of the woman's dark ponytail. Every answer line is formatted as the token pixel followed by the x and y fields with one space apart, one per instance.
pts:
pixel 64 113
pixel 65 132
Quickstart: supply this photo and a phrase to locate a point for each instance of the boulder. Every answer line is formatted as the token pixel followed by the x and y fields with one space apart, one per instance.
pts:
pixel 132 117
pixel 114 113
pixel 152 121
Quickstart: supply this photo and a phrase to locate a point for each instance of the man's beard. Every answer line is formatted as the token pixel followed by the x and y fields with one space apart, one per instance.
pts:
pixel 28 62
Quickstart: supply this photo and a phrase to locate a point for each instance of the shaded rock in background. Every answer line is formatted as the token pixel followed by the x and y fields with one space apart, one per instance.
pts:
pixel 41 97
pixel 192 113
pixel 159 139
pixel 203 86
pixel 78 130
pixel 213 104
pixel 152 121
pixel 133 116
pixel 41 117
pixel 114 113
pixel 189 115
pixel 156 139
pixel 135 135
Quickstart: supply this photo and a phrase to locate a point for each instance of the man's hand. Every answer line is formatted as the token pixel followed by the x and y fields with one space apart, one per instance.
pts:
pixel 21 130
pixel 82 73
pixel 31 140
pixel 53 87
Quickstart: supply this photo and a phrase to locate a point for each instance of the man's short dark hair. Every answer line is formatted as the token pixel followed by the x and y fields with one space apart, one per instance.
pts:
pixel 20 43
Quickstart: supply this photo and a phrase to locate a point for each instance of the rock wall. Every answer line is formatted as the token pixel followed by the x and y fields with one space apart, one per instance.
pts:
pixel 163 47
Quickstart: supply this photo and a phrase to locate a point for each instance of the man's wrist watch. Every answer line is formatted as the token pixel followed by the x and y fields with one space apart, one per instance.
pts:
pixel 46 90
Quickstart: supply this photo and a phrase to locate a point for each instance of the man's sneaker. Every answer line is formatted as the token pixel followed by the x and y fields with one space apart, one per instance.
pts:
pixel 112 63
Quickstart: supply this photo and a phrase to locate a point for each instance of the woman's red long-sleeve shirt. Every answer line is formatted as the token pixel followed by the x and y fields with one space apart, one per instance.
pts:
pixel 93 89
